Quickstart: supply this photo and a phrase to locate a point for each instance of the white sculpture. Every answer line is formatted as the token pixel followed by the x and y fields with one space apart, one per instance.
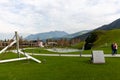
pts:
pixel 18 51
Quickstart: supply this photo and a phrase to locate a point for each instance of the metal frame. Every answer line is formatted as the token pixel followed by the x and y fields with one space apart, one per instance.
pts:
pixel 18 52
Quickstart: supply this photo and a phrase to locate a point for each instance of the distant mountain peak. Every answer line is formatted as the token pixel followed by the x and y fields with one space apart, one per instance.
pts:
pixel 76 34
pixel 113 25
pixel 46 35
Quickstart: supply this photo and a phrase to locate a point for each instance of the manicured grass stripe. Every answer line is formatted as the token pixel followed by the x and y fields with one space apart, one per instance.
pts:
pixel 61 68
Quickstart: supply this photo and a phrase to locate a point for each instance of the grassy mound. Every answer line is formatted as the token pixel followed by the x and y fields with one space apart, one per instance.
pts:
pixel 103 39
pixel 107 38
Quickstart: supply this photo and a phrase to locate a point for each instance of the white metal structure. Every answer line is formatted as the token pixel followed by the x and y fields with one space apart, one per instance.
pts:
pixel 18 51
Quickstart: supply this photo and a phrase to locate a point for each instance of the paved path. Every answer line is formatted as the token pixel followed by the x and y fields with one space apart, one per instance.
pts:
pixel 69 55
pixel 73 55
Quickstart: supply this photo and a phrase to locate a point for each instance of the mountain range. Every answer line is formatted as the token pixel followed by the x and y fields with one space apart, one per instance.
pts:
pixel 46 35
pixel 54 35
pixel 62 34
pixel 113 25
pixel 69 36
pixel 82 34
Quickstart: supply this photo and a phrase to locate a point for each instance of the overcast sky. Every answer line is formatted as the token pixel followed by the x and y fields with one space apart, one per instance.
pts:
pixel 36 16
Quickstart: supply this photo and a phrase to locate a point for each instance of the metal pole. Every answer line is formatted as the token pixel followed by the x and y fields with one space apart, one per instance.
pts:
pixel 17 43
pixel 81 51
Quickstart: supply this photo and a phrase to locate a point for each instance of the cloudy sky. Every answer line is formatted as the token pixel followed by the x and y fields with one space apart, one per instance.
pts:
pixel 36 16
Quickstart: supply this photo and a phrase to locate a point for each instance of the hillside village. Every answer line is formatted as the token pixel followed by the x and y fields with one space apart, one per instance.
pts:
pixel 37 43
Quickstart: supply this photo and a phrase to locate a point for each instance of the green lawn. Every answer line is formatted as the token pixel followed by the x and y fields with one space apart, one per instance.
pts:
pixel 60 68
pixel 8 55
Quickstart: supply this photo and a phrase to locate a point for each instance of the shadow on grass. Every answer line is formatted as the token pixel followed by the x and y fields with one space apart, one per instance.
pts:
pixel 89 62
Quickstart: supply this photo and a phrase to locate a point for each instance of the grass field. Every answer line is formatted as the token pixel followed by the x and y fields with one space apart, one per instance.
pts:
pixel 60 68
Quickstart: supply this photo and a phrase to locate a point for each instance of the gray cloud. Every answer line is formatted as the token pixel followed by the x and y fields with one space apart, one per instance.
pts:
pixel 32 16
